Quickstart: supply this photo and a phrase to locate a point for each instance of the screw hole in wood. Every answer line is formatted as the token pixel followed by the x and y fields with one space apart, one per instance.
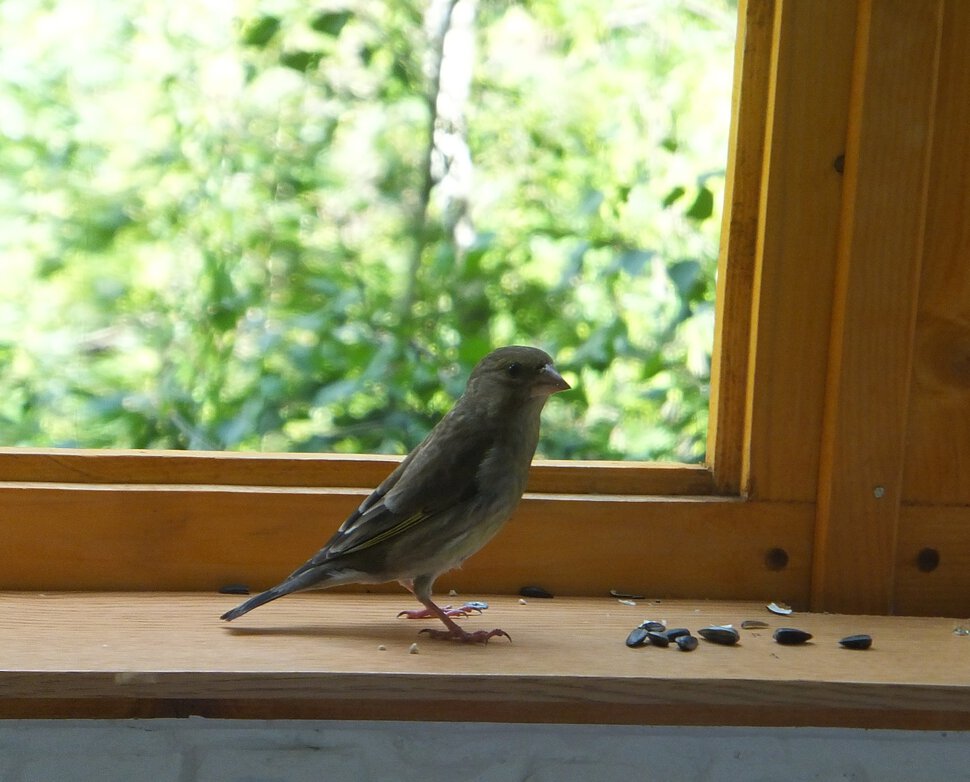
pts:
pixel 776 559
pixel 928 560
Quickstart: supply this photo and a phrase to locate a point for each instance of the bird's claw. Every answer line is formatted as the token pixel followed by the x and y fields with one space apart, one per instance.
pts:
pixel 425 613
pixel 462 636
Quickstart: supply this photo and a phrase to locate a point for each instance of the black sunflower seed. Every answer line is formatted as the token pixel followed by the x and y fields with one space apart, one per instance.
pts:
pixel 686 643
pixel 720 634
pixel 234 589
pixel 620 594
pixel 861 641
pixel 676 632
pixel 791 636
pixel 535 591
pixel 637 637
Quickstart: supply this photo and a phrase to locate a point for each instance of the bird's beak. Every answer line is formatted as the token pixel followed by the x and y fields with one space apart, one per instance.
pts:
pixel 549 382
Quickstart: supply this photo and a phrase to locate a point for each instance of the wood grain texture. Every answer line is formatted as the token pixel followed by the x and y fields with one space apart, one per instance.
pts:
pixel 946 588
pixel 64 655
pixel 324 470
pixel 201 537
pixel 880 252
pixel 739 235
pixel 798 228
pixel 937 458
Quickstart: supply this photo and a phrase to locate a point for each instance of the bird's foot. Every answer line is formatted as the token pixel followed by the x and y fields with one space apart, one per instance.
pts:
pixel 463 636
pixel 427 613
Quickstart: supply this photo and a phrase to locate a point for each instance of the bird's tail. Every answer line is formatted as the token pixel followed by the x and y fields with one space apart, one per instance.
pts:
pixel 295 583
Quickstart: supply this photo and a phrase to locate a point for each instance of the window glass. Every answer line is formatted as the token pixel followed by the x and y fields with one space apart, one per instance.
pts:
pixel 280 226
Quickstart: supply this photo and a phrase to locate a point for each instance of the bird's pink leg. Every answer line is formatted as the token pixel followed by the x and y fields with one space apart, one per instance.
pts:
pixel 424 613
pixel 454 632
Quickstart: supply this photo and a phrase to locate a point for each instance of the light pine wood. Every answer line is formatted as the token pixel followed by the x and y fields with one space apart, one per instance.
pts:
pixel 937 457
pixel 67 655
pixel 327 469
pixel 947 588
pixel 69 537
pixel 880 251
pixel 98 466
pixel 739 232
pixel 202 537
pixel 798 225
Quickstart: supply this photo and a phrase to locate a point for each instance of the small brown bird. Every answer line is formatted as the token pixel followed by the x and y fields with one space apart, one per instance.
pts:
pixel 447 498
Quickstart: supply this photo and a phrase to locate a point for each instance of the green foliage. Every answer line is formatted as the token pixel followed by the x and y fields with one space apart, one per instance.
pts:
pixel 209 213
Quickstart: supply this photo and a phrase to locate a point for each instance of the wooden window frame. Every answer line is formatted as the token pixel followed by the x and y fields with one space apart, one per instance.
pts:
pixel 816 306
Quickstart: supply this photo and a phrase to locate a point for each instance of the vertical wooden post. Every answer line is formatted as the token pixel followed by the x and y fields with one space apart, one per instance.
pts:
pixel 938 439
pixel 797 235
pixel 739 232
pixel 873 318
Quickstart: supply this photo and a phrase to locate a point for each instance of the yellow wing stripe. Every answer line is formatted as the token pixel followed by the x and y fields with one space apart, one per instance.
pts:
pixel 397 529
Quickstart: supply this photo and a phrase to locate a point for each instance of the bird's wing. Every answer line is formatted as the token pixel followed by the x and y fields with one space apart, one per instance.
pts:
pixel 437 475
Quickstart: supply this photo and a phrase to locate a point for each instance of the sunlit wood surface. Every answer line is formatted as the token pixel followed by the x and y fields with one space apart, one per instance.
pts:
pixel 116 654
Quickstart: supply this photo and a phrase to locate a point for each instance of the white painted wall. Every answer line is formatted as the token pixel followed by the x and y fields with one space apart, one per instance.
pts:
pixel 199 750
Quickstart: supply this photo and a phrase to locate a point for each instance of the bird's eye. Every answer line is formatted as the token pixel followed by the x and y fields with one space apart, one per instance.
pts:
pixel 514 369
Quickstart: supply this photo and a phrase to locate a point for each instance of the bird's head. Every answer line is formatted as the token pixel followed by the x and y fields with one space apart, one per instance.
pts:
pixel 517 373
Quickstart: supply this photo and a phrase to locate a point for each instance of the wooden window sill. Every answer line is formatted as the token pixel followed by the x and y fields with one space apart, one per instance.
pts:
pixel 318 656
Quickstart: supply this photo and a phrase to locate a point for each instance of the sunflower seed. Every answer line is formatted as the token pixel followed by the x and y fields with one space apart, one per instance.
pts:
pixel 234 589
pixel 637 637
pixel 686 643
pixel 619 593
pixel 753 624
pixel 720 634
pixel 856 641
pixel 791 636
pixel 676 632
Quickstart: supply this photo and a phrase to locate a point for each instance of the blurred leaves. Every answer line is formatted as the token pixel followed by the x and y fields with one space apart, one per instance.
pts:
pixel 207 211
pixel 330 22
pixel 259 31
